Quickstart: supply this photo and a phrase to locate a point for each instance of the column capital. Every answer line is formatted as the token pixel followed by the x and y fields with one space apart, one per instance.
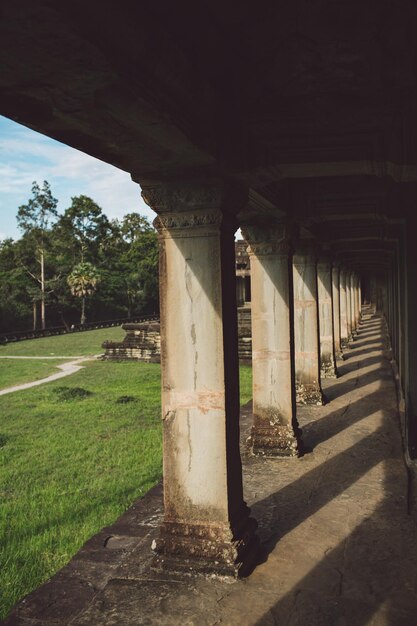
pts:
pixel 306 248
pixel 167 223
pixel 271 238
pixel 166 196
pixel 324 261
pixel 194 204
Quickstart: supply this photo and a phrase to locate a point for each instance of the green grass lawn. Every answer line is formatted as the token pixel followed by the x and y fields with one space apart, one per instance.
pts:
pixel 15 372
pixel 72 344
pixel 74 454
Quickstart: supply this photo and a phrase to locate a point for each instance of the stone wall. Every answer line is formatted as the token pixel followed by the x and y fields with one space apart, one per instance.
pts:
pixel 142 343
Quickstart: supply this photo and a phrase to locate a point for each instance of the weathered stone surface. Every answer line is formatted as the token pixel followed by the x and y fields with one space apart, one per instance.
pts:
pixel 327 368
pixel 306 324
pixel 206 522
pixel 275 430
pixel 326 320
pixel 309 394
pixel 275 440
pixel 142 343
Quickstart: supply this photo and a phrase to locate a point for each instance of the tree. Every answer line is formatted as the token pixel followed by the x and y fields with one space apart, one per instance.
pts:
pixel 34 219
pixel 83 282
pixel 133 225
pixel 139 258
pixel 84 227
pixel 15 285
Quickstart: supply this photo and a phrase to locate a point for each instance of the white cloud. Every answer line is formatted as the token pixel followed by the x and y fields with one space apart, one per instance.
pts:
pixel 26 156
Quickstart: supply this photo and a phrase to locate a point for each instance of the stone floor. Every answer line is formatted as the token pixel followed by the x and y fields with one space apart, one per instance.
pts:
pixel 339 546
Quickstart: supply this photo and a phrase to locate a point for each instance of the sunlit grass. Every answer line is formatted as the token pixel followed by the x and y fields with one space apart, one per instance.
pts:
pixel 74 455
pixel 14 372
pixel 71 344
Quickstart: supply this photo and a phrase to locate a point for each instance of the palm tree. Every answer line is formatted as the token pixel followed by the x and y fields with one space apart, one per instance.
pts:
pixel 83 282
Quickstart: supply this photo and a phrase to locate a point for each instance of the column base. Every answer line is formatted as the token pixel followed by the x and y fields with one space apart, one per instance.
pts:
pixel 309 394
pixel 275 440
pixel 344 343
pixel 328 370
pixel 207 549
pixel 340 356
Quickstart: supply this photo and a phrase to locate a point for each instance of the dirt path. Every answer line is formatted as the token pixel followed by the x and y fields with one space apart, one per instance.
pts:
pixel 71 367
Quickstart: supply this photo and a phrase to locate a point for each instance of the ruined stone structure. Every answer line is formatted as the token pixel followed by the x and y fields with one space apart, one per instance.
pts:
pixel 298 125
pixel 142 343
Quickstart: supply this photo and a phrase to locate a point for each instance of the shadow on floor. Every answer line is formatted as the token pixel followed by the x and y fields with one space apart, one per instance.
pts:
pixel 369 577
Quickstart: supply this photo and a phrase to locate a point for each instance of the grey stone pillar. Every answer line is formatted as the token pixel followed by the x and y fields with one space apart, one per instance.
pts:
pixel 306 326
pixel 206 523
pixel 240 290
pixel 336 310
pixel 357 304
pixel 348 306
pixel 343 310
pixel 275 429
pixel 327 348
pixel 352 303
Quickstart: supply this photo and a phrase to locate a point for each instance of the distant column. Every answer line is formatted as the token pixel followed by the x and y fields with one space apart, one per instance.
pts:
pixel 343 310
pixel 358 300
pixel 240 290
pixel 327 349
pixel 348 307
pixel 336 310
pixel 206 523
pixel 352 302
pixel 306 327
pixel 275 429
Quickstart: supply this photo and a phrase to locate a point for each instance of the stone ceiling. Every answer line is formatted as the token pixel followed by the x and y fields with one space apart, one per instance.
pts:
pixel 310 104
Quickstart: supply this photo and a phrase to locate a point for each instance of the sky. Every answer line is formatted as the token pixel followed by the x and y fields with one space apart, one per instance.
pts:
pixel 27 156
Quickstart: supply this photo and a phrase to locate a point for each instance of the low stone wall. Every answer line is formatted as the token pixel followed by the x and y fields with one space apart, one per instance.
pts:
pixel 142 343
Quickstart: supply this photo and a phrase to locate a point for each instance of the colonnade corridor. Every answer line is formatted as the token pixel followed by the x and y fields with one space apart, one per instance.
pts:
pixel 338 547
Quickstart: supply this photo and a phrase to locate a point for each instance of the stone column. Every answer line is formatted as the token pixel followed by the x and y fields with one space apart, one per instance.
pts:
pixel 240 290
pixel 357 303
pixel 306 326
pixel 352 302
pixel 343 310
pixel 327 349
pixel 336 310
pixel 348 307
pixel 206 523
pixel 275 429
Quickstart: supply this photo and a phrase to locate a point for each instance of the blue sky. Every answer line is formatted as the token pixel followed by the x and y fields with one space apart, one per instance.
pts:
pixel 26 156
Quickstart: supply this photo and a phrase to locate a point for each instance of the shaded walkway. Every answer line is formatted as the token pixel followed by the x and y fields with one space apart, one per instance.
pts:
pixel 339 548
